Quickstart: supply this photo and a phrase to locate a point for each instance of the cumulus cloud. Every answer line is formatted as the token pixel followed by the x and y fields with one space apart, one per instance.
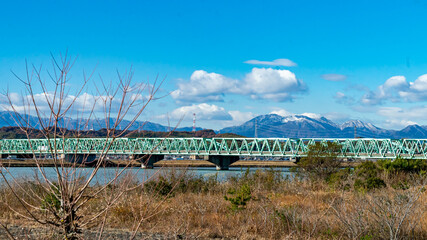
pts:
pixel 278 62
pixel 260 83
pixel 334 77
pixel 241 117
pixel 204 86
pixel 396 89
pixel 203 111
pixel 272 84
pixel 83 102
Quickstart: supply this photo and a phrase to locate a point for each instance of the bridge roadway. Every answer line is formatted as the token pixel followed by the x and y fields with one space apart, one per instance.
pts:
pixel 221 151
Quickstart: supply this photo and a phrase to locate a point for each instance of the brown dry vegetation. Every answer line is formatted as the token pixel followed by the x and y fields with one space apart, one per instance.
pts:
pixel 182 205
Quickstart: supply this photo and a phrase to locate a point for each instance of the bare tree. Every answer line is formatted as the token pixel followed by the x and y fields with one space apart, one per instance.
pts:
pixel 397 210
pixel 61 201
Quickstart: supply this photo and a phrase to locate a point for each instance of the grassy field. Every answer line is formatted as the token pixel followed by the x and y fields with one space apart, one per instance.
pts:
pixel 257 205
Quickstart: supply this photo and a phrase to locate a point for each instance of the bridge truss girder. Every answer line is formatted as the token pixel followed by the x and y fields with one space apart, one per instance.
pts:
pixel 266 147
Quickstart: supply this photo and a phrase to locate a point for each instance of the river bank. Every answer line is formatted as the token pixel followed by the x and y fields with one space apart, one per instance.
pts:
pixel 164 163
pixel 261 204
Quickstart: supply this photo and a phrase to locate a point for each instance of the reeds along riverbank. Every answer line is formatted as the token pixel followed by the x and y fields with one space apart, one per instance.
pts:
pixel 259 205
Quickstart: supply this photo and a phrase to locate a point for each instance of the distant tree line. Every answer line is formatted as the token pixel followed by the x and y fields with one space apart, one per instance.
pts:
pixel 17 133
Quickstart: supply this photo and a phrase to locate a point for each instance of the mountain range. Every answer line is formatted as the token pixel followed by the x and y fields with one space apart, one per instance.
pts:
pixel 7 119
pixel 270 125
pixel 300 126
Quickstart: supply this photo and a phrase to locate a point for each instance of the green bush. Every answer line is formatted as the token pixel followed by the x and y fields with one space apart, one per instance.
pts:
pixel 239 197
pixel 51 201
pixel 160 186
pixel 265 179
pixel 339 179
pixel 172 182
pixel 368 177
pixel 402 165
pixel 321 161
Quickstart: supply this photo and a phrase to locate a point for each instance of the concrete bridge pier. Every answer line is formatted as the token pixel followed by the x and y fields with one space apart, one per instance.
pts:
pixel 79 158
pixel 295 159
pixel 223 162
pixel 147 161
pixel 17 156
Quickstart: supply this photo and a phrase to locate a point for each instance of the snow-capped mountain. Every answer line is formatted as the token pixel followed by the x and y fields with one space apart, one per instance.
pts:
pixel 270 125
pixel 358 128
pixel 273 125
pixel 359 124
pixel 294 126
pixel 7 120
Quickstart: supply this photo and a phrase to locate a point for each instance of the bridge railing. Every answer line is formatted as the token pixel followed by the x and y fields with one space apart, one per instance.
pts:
pixel 274 147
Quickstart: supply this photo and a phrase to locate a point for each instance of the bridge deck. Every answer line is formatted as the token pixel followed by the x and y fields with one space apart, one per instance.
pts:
pixel 274 147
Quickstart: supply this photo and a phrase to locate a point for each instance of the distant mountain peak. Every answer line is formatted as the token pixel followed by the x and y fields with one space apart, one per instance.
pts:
pixel 302 125
pixel 359 124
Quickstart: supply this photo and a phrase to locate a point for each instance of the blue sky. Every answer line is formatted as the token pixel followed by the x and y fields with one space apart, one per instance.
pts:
pixel 344 60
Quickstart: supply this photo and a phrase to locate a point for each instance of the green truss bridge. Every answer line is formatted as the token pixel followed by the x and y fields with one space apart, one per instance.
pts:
pixel 221 151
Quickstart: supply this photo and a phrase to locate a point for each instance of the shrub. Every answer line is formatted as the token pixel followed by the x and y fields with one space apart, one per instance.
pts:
pixel 239 197
pixel 367 176
pixel 321 161
pixel 402 165
pixel 161 186
pixel 339 179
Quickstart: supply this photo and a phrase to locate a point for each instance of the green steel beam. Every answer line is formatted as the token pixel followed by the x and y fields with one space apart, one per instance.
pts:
pixel 269 147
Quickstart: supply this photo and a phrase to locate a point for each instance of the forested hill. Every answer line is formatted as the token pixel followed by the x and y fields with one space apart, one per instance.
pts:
pixel 17 133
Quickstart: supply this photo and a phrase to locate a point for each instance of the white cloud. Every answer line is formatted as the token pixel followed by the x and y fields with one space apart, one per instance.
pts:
pixel 312 115
pixel 396 89
pixel 387 91
pixel 25 103
pixel 281 112
pixel 397 124
pixel 278 62
pixel 272 84
pixel 285 113
pixel 334 77
pixel 337 116
pixel 85 103
pixel 401 117
pixel 260 83
pixel 418 112
pixel 204 86
pixel 420 83
pixel 203 111
pixel 241 117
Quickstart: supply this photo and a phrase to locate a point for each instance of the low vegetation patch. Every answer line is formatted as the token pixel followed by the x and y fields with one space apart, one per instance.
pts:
pixel 359 203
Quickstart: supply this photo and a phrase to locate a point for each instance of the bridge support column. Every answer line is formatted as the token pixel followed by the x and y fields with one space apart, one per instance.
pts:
pixel 79 158
pixel 223 162
pixel 147 161
pixel 17 156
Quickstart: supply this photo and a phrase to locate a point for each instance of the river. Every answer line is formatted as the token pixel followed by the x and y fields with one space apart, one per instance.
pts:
pixel 29 173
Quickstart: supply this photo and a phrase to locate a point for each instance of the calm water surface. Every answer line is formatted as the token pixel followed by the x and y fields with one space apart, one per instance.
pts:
pixel 29 173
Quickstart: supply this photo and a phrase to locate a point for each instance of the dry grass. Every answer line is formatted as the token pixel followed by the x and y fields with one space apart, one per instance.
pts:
pixel 279 209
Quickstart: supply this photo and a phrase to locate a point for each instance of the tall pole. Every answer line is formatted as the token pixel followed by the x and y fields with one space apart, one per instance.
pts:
pixel 194 122
pixel 355 131
pixel 256 131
